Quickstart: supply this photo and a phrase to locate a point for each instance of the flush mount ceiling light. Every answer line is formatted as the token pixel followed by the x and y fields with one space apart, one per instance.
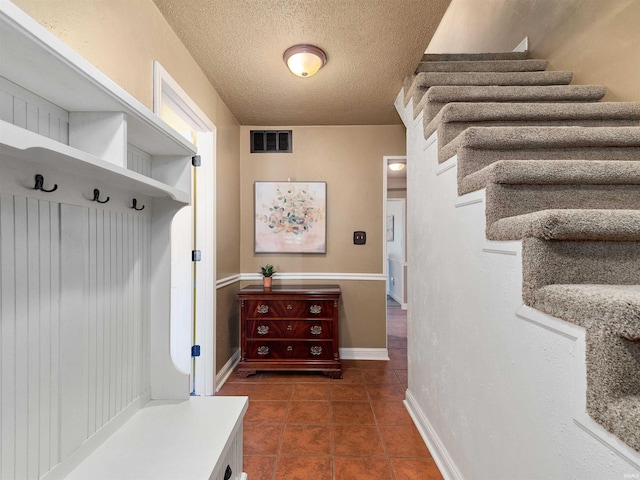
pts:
pixel 304 60
pixel 396 166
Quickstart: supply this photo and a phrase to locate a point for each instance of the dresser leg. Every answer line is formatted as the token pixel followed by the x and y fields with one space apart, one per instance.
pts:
pixel 244 373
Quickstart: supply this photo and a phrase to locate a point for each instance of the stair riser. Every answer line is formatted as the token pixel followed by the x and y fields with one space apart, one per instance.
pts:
pixel 566 262
pixel 613 372
pixel 450 130
pixel 483 66
pixel 503 201
pixel 613 377
pixel 471 160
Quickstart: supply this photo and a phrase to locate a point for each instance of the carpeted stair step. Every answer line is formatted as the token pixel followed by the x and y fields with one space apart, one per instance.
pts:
pixel 436 98
pixel 483 66
pixel 517 188
pixel 471 57
pixel 580 247
pixel 478 147
pixel 570 223
pixel 595 284
pixel 454 118
pixel 611 316
pixel 416 85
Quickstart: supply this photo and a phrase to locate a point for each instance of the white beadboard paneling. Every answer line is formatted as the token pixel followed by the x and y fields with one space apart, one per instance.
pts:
pixel 21 338
pixel 73 327
pixel 113 317
pixel 92 322
pixel 44 245
pixel 27 110
pixel 54 409
pixel 7 339
pixel 138 161
pixel 19 112
pixel 100 320
pixel 33 338
pixel 29 232
pixel 6 107
pixel 70 277
pixel 32 118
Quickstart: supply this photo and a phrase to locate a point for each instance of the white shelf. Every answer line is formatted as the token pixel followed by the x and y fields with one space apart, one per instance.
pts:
pixel 72 83
pixel 25 145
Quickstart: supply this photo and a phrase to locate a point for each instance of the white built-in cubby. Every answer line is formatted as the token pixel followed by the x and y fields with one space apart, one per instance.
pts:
pixel 85 290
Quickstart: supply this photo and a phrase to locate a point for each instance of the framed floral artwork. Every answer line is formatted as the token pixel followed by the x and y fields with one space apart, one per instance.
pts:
pixel 290 217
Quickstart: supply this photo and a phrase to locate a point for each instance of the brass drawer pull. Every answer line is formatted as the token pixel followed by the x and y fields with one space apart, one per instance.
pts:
pixel 263 350
pixel 315 309
pixel 289 328
pixel 263 308
pixel 289 348
pixel 316 350
pixel 289 307
pixel 263 329
pixel 316 330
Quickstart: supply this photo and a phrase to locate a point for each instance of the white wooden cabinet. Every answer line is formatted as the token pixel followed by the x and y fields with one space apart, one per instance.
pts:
pixel 84 285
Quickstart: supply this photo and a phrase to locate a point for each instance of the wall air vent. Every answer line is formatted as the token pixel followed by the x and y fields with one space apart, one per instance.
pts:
pixel 271 141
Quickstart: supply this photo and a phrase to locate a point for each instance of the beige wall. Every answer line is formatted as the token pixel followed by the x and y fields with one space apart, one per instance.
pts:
pixel 599 40
pixel 350 160
pixel 122 38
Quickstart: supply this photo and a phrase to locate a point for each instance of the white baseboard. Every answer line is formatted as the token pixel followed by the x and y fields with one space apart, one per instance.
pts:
pixel 364 354
pixel 223 374
pixel 438 451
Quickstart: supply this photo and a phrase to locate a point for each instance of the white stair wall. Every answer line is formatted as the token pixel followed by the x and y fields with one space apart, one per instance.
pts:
pixel 494 394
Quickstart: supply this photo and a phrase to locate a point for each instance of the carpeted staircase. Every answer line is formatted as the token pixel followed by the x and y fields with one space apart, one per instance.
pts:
pixel 562 173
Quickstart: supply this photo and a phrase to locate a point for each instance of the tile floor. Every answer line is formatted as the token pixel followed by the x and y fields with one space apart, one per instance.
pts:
pixel 309 427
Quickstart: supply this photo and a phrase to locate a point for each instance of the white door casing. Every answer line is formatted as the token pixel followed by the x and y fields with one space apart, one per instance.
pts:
pixel 175 106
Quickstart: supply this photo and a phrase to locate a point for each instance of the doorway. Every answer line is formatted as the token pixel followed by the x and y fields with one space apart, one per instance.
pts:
pixel 395 246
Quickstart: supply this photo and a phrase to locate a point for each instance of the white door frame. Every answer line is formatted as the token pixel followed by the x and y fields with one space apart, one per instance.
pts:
pixel 386 160
pixel 166 89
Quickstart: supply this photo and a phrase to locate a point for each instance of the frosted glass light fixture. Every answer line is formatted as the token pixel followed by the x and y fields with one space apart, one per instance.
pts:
pixel 396 166
pixel 304 60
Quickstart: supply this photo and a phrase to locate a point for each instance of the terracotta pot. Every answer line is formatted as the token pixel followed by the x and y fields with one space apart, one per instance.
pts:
pixel 266 282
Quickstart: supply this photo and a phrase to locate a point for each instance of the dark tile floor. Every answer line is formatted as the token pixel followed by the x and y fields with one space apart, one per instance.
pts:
pixel 309 427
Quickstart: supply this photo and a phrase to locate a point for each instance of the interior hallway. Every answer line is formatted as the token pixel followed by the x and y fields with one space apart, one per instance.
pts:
pixel 307 426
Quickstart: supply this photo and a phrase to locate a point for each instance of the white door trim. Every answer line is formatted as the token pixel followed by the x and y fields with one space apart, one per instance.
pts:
pixel 166 89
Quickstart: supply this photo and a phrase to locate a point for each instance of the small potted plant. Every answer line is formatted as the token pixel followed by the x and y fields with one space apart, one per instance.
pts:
pixel 267 275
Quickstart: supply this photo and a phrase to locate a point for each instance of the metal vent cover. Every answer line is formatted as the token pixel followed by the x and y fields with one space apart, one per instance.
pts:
pixel 271 141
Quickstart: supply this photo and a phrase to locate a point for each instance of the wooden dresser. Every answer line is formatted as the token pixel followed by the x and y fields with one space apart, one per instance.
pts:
pixel 289 327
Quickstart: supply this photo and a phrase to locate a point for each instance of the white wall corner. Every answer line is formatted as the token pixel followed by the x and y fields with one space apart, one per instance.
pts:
pixel 225 372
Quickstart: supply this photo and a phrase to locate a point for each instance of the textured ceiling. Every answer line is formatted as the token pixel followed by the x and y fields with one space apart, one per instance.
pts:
pixel 371 46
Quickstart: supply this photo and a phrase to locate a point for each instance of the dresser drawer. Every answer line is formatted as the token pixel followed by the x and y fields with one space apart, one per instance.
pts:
pixel 272 350
pixel 300 329
pixel 289 308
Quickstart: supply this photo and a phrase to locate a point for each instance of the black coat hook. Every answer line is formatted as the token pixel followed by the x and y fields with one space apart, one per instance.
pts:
pixel 40 182
pixel 135 205
pixel 96 196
